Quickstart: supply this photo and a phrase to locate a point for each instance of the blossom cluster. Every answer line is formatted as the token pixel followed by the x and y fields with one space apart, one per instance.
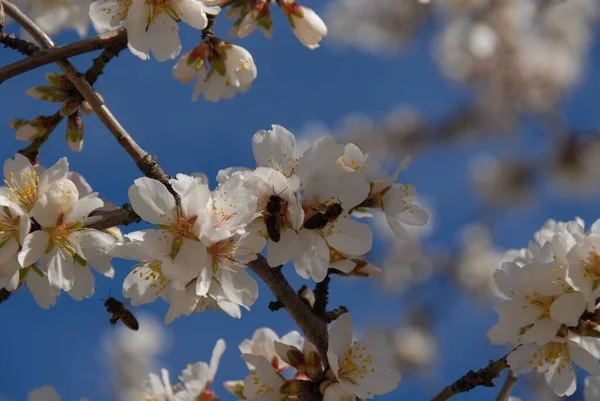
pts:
pixel 551 299
pixel 290 368
pixel 153 28
pixel 44 243
pixel 302 208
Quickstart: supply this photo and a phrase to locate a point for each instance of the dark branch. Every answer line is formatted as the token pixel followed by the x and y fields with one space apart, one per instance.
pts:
pixel 100 62
pixel 334 314
pixel 483 377
pixel 47 56
pixel 14 42
pixel 321 296
pixel 313 327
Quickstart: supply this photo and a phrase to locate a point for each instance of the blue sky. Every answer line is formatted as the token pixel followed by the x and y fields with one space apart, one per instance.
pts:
pixel 62 346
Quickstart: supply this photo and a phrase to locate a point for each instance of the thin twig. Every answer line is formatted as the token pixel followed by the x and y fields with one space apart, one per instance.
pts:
pixel 100 62
pixel 42 57
pixel 509 384
pixel 313 327
pixel 32 150
pixel 145 162
pixel 14 42
pixel 483 377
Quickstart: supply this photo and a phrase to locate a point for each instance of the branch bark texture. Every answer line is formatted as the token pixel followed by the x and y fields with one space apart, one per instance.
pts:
pixel 40 58
pixel 313 326
pixel 483 377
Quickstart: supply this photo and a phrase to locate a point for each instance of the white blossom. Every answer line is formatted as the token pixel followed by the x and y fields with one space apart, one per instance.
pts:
pixel 63 247
pixel 198 378
pixel 25 184
pixel 152 25
pixel 263 383
pixel 263 343
pixel 233 70
pixel 539 301
pixel 360 368
pixel 554 359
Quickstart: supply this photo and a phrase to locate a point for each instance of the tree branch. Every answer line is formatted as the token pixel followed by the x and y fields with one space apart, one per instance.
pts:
pixel 313 326
pixel 483 377
pixel 18 44
pixel 145 162
pixel 509 383
pixel 40 58
pixel 100 62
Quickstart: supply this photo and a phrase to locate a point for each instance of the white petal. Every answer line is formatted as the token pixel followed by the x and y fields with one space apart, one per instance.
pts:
pixel 192 13
pixel 519 359
pixel 239 286
pixel 94 245
pixel 83 207
pixel 340 335
pixel 136 24
pixel 43 293
pixel 83 285
pixel 568 308
pixel 216 357
pixel 313 260
pixel 57 172
pixel 350 236
pixel 196 378
pixel 152 201
pixel 8 250
pixel 584 359
pixel 279 253
pixel 274 148
pixel 163 35
pixel 34 247
pixel 542 332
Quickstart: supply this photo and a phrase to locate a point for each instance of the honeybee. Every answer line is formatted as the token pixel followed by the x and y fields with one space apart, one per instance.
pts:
pixel 118 311
pixel 320 219
pixel 273 217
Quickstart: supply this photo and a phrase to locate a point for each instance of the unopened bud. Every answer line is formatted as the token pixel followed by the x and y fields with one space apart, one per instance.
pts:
pixel 51 94
pixel 56 78
pixel 308 27
pixel 587 328
pixel 75 132
pixel 86 108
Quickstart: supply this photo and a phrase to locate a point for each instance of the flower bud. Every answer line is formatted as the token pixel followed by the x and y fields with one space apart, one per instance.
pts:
pixel 56 79
pixel 61 195
pixel 308 27
pixel 258 16
pixel 75 132
pixel 86 108
pixel 48 93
